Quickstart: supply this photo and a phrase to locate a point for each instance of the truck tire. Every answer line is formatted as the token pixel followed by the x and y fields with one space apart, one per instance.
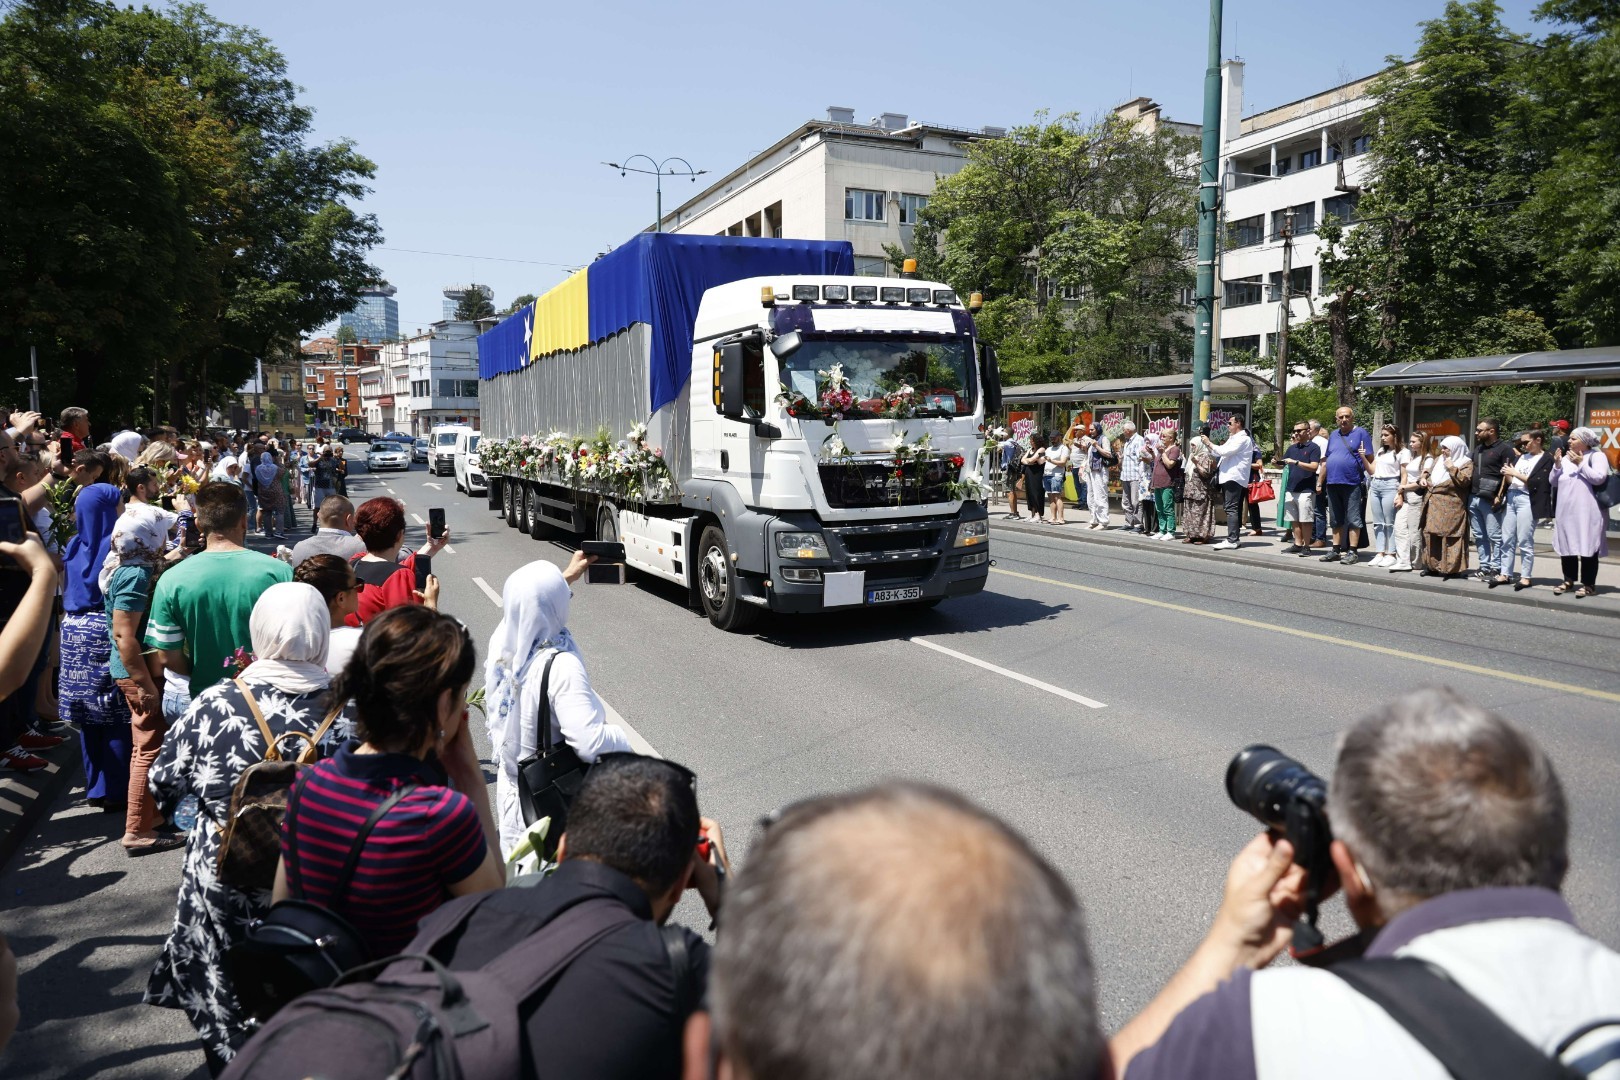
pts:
pixel 510 491
pixel 718 589
pixel 538 528
pixel 607 521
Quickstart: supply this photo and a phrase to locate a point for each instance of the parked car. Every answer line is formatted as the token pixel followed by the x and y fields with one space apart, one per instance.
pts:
pixel 469 473
pixel 352 434
pixel 387 455
pixel 419 451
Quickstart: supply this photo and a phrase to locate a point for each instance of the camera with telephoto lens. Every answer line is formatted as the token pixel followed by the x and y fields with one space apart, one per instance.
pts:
pixel 1291 801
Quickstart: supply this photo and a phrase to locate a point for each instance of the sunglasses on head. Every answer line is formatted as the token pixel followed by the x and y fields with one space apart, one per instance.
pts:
pixel 622 756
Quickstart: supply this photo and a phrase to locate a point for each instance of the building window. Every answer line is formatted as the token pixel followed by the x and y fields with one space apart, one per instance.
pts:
pixel 1238 345
pixel 1343 207
pixel 342 383
pixel 1246 232
pixel 1304 220
pixel 1285 165
pixel 1187 295
pixel 286 383
pixel 871 266
pixel 910 206
pixel 1360 144
pixel 1241 292
pixel 1299 279
pixel 863 205
pixel 1310 159
pixel 458 387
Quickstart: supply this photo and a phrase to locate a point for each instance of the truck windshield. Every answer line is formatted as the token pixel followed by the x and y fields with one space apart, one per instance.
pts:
pixel 936 370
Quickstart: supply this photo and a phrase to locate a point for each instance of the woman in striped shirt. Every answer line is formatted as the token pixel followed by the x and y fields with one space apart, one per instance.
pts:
pixel 408 679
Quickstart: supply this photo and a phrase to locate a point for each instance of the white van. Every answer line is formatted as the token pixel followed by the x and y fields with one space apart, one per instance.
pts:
pixel 469 473
pixel 442 448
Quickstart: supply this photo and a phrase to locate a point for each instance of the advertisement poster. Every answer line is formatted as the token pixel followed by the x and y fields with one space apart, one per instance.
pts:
pixel 1112 418
pixel 1221 413
pixel 1600 409
pixel 1080 421
pixel 1162 420
pixel 1437 417
pixel 1021 422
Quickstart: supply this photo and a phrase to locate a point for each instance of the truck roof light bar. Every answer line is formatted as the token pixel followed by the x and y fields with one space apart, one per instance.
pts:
pixel 892 295
pixel 944 296
pixel 919 296
pixel 807 293
pixel 835 292
pixel 863 294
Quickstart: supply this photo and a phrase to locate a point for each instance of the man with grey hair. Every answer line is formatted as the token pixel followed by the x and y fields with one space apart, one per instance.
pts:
pixel 898 933
pixel 1451 842
pixel 1133 480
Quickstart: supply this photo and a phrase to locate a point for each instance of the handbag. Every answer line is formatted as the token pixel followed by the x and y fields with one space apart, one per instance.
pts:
pixel 1261 491
pixel 301 946
pixel 1070 492
pixel 251 844
pixel 548 779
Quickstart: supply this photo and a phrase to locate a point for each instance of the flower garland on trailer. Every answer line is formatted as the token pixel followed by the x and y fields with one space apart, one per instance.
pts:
pixel 919 455
pixel 630 467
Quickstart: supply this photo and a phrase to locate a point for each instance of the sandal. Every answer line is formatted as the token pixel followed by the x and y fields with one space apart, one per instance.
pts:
pixel 1583 592
pixel 1563 587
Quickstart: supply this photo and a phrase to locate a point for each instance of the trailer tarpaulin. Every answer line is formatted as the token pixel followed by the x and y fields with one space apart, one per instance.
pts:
pixel 658 279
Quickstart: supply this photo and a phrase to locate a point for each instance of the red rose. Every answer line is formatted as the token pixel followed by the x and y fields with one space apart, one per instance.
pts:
pixel 957 460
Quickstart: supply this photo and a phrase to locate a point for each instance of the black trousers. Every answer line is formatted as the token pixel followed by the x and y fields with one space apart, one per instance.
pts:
pixel 1236 495
pixel 1034 493
pixel 1584 565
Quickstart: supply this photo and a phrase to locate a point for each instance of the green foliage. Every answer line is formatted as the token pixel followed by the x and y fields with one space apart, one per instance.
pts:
pixel 346 336
pixel 166 214
pixel 1073 233
pixel 474 304
pixel 520 302
pixel 1520 408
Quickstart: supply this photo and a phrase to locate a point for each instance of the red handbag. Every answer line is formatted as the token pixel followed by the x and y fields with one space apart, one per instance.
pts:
pixel 1261 491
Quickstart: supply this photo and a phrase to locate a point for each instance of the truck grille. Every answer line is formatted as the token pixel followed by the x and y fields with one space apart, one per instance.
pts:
pixel 868 484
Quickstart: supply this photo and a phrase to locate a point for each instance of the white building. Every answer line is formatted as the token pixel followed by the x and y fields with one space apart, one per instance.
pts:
pixel 834 179
pixel 385 391
pixel 442 376
pixel 1305 158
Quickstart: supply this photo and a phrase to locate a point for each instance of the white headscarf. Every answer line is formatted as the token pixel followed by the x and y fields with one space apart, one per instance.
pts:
pixel 1453 453
pixel 534 616
pixel 220 466
pixel 291 628
pixel 139 538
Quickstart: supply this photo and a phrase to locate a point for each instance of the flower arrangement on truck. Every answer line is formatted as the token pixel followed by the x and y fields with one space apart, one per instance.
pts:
pixel 751 420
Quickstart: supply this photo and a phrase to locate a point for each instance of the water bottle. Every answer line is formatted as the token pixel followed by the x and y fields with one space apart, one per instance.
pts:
pixel 185 815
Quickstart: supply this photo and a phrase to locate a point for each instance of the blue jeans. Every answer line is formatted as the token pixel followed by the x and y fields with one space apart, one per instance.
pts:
pixel 252 508
pixel 1384 504
pixel 1518 533
pixel 1079 485
pixel 1486 521
pixel 175 703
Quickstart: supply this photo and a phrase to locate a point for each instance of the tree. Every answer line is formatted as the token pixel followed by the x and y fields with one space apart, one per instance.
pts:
pixel 173 220
pixel 1075 235
pixel 475 303
pixel 521 302
pixel 1441 263
pixel 346 336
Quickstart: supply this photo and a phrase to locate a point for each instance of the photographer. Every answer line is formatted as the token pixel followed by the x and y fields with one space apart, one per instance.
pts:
pixel 1450 840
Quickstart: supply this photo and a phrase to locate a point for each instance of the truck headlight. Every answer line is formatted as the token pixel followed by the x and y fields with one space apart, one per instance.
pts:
pixel 801 545
pixel 972 533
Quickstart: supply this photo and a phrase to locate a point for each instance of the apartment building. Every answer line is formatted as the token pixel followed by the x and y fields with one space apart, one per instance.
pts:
pixel 385 391
pixel 442 376
pixel 332 379
pixel 1298 163
pixel 835 179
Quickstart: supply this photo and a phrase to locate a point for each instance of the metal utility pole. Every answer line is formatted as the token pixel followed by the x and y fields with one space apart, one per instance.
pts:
pixel 658 172
pixel 1208 220
pixel 258 385
pixel 1284 317
pixel 33 378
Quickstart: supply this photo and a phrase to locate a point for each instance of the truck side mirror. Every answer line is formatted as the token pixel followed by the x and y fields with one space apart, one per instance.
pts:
pixel 730 380
pixel 787 344
pixel 990 378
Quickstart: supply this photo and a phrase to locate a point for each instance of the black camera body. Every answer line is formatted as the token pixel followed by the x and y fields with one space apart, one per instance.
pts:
pixel 1291 801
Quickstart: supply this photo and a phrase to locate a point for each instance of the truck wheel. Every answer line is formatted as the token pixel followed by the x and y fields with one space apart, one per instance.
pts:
pixel 538 527
pixel 607 521
pixel 509 510
pixel 718 585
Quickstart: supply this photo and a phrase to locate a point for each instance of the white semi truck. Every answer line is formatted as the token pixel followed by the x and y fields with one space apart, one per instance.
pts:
pixel 751 420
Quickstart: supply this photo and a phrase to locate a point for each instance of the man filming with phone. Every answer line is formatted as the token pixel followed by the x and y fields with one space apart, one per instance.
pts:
pixel 1449 837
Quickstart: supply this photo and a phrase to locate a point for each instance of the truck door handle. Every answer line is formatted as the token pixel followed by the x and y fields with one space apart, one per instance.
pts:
pixel 725 460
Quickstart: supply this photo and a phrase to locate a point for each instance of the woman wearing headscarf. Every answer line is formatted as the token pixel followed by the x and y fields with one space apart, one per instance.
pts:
pixel 227 468
pixel 1445 510
pixel 1581 526
pixel 88 695
pixel 205 754
pixel 270 475
pixel 1198 489
pixel 532 630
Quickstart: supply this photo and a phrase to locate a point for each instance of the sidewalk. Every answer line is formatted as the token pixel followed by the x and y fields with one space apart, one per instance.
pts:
pixel 1266 551
pixel 25 798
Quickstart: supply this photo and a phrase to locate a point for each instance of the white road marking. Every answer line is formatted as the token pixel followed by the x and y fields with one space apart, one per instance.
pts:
pixel 389 490
pixel 418 519
pixel 1081 699
pixel 637 742
pixel 448 550
pixel 494 597
pixel 435 487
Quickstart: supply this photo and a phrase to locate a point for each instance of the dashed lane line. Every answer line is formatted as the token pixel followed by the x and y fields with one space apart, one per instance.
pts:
pixel 1327 639
pixel 1081 699
pixel 494 597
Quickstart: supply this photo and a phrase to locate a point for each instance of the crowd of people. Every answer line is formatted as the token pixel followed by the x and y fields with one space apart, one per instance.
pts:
pixel 897 931
pixel 1431 502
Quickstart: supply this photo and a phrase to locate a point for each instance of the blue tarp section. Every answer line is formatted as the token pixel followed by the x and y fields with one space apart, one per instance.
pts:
pixel 659 279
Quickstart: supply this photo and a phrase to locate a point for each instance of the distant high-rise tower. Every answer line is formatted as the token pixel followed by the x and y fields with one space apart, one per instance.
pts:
pixel 375 316
pixel 454 294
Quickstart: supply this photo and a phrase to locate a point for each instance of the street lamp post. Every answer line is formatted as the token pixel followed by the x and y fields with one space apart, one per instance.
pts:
pixel 658 172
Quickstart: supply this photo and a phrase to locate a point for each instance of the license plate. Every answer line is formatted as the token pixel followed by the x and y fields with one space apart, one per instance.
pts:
pixel 888 596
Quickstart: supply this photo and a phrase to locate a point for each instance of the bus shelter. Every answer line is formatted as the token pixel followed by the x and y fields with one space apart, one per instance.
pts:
pixel 1441 397
pixel 1049 407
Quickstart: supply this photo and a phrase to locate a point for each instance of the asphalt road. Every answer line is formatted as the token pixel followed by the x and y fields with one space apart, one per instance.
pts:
pixel 1144 670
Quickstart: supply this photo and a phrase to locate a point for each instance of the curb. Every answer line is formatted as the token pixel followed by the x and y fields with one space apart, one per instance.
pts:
pixel 27 798
pixel 1606 606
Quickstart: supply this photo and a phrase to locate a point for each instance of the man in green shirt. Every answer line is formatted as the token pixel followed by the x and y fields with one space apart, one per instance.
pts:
pixel 201 608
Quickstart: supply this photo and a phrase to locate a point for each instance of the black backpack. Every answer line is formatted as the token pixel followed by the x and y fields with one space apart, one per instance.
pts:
pixel 418 1020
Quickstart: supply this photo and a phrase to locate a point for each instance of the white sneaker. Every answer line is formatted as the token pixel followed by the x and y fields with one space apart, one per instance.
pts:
pixel 1386 560
pixel 1223 546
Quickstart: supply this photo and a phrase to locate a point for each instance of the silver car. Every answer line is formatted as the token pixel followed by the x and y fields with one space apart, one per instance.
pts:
pixel 419 450
pixel 387 455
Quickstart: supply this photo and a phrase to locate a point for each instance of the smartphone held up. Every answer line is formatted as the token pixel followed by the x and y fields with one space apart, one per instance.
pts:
pixel 608 569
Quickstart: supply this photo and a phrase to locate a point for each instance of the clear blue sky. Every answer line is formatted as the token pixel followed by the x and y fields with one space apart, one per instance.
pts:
pixel 488 118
